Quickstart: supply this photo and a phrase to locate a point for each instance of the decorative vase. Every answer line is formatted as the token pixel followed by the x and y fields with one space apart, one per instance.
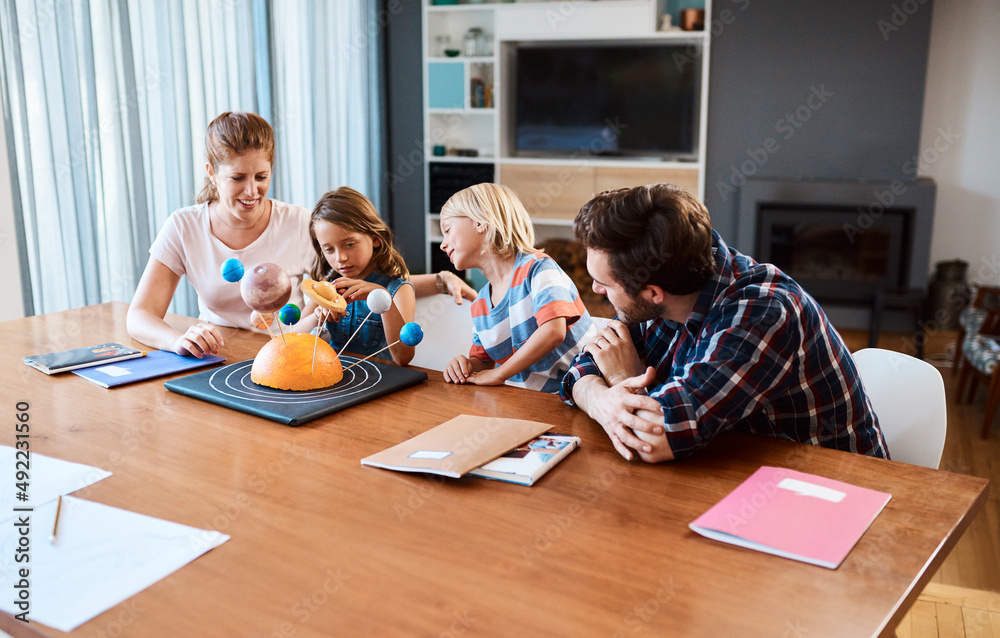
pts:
pixel 948 293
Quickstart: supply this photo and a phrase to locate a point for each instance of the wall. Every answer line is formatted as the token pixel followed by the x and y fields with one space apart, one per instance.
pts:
pixel 405 137
pixel 12 306
pixel 962 91
pixel 960 141
pixel 815 90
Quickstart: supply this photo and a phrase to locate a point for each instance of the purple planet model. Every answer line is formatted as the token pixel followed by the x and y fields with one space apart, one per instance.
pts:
pixel 266 287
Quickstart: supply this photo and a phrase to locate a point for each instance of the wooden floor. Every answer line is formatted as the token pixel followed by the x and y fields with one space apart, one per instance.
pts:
pixel 946 611
pixel 975 561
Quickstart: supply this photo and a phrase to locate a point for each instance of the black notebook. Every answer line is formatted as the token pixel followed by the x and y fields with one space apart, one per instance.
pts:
pixel 230 386
pixel 66 360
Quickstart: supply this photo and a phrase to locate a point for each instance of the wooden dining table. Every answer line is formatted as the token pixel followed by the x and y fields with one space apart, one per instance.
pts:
pixel 323 546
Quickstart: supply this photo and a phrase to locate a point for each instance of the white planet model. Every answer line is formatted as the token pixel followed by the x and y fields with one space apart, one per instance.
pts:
pixel 379 301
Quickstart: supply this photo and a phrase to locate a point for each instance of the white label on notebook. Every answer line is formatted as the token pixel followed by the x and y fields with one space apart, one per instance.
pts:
pixel 428 454
pixel 114 371
pixel 808 489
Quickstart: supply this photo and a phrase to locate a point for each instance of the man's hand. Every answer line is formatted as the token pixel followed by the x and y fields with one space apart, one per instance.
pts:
pixel 614 353
pixel 624 412
pixel 661 447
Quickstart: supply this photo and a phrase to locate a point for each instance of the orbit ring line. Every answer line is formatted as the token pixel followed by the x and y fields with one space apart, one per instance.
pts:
pixel 234 382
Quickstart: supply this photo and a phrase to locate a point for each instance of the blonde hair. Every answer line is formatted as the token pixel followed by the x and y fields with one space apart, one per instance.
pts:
pixel 230 135
pixel 508 226
pixel 352 211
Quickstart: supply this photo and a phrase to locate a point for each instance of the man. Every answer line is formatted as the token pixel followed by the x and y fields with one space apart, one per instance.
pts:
pixel 718 341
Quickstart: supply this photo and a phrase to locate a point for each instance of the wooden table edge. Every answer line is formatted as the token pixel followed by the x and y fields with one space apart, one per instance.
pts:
pixel 888 629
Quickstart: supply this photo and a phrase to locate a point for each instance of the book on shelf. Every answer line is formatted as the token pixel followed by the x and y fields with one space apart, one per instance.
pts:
pixel 66 360
pixel 457 446
pixel 792 514
pixel 157 363
pixel 529 462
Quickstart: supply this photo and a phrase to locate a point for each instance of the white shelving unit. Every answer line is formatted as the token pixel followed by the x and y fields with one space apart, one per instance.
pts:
pixel 463 103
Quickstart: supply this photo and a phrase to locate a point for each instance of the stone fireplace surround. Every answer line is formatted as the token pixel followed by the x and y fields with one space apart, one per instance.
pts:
pixel 869 199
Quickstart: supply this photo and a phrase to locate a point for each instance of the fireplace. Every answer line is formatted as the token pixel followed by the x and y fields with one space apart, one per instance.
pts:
pixel 842 241
pixel 810 243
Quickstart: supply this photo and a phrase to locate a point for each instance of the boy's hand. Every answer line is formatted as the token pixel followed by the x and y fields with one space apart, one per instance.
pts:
pixel 457 370
pixel 487 377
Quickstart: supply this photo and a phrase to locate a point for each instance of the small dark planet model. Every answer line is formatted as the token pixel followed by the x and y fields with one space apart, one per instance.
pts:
pixel 266 287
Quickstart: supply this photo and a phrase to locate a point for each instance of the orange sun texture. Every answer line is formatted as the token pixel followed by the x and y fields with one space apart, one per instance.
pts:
pixel 287 364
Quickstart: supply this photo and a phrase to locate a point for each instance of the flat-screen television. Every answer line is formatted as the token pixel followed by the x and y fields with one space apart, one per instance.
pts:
pixel 636 100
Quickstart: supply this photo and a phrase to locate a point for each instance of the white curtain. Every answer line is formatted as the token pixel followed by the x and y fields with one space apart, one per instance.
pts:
pixel 106 104
pixel 327 98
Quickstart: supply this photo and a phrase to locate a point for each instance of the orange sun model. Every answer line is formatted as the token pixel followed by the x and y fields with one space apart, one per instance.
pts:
pixel 289 365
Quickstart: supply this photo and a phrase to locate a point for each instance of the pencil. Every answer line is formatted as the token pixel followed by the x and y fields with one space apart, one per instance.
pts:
pixel 55 523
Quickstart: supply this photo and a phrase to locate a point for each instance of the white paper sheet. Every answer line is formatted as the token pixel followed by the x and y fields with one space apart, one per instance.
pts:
pixel 48 478
pixel 101 556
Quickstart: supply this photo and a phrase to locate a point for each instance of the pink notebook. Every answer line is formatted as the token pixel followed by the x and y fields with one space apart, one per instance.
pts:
pixel 792 514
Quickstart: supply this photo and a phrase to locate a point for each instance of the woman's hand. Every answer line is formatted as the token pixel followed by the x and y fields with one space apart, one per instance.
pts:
pixel 199 340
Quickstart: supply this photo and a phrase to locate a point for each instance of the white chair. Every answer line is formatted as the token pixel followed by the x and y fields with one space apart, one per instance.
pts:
pixel 447 330
pixel 909 400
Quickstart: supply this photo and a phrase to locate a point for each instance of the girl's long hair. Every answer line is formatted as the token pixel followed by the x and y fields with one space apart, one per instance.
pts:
pixel 352 211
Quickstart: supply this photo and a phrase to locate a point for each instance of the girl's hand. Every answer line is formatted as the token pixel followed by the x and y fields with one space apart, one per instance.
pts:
pixel 355 289
pixel 457 370
pixel 455 286
pixel 323 314
pixel 199 340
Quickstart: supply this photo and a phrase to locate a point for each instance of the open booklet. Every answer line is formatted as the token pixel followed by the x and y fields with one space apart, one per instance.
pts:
pixel 792 514
pixel 529 462
pixel 457 446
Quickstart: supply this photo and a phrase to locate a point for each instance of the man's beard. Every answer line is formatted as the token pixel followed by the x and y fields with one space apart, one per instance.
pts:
pixel 638 311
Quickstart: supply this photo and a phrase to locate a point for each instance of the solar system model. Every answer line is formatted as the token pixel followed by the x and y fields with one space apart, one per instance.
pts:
pixel 298 361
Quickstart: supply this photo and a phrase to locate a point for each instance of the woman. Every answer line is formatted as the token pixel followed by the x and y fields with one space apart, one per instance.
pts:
pixel 232 218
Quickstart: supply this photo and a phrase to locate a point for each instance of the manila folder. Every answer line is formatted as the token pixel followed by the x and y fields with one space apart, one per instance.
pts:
pixel 458 445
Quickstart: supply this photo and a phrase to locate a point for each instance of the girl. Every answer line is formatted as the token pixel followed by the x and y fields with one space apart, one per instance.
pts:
pixel 353 249
pixel 529 318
